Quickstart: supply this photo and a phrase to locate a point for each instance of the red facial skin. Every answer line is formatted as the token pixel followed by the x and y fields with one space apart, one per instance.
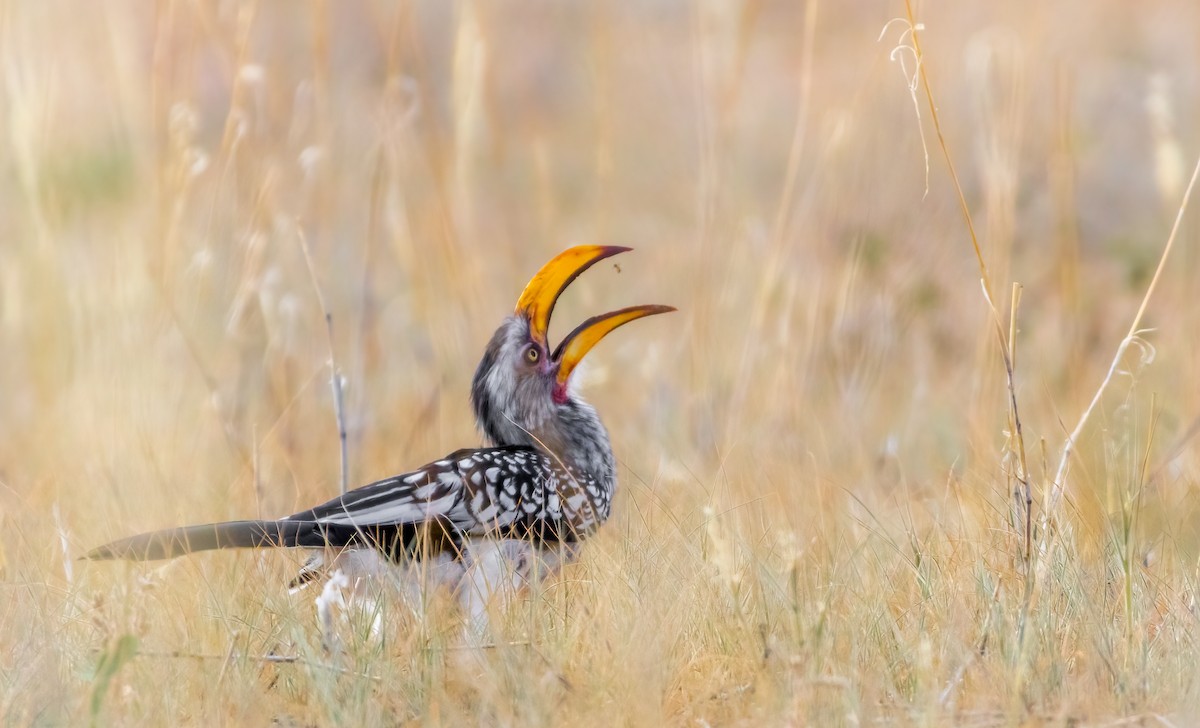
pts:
pixel 560 393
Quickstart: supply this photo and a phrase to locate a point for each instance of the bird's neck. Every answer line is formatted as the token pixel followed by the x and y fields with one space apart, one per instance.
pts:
pixel 579 438
pixel 571 433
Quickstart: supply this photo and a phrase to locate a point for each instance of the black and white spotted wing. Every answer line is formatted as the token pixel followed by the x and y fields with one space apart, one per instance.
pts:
pixel 504 491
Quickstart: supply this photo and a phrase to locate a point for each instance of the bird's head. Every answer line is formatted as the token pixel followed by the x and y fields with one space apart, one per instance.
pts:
pixel 522 388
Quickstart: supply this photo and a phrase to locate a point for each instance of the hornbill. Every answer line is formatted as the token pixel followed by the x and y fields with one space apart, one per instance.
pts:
pixel 521 505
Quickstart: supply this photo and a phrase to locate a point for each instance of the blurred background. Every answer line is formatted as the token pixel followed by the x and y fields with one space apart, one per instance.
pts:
pixel 831 381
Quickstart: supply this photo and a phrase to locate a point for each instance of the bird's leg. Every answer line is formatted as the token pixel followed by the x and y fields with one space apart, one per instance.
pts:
pixel 331 597
pixel 496 571
pixel 367 581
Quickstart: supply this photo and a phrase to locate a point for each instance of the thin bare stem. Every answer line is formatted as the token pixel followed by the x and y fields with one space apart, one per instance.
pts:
pixel 270 659
pixel 1059 486
pixel 335 376
pixel 1012 357
pixel 937 128
pixel 1007 350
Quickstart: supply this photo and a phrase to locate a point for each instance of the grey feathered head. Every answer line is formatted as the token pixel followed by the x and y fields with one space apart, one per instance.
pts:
pixel 521 391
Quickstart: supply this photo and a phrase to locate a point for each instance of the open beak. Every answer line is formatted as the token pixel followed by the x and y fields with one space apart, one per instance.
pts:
pixel 542 292
pixel 587 334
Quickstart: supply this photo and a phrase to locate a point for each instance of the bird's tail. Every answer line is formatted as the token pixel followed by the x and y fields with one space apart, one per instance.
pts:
pixel 172 542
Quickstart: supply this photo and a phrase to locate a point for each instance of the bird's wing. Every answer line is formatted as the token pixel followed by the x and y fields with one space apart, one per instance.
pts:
pixel 488 491
pixel 503 491
pixel 434 491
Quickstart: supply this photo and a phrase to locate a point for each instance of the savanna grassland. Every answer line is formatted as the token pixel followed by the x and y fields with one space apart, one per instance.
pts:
pixel 821 514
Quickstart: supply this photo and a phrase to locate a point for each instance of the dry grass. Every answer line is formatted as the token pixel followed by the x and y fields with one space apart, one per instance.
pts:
pixel 816 523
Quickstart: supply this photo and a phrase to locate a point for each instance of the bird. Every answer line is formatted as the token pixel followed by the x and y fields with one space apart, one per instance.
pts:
pixel 477 520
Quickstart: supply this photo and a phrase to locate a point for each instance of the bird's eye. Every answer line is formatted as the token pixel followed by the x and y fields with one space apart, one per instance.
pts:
pixel 532 355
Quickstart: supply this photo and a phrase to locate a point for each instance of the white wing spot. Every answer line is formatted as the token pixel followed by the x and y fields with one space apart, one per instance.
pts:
pixel 575 501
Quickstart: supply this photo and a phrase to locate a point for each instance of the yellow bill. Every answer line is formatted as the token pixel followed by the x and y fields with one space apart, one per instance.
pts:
pixel 589 333
pixel 542 292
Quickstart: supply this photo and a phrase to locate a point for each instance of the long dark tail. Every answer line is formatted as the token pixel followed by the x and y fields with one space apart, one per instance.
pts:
pixel 395 540
pixel 172 542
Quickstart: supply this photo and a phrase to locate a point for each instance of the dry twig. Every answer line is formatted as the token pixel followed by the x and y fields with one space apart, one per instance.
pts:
pixel 335 376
